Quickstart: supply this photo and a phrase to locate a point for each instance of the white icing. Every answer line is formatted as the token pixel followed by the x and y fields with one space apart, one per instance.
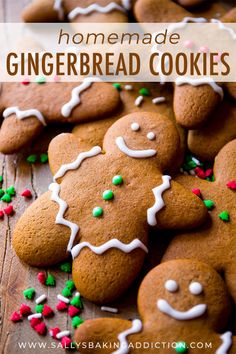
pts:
pixel 62 334
pixel 24 114
pixel 122 337
pixel 138 101
pixel 184 22
pixel 58 6
pixel 194 312
pixel 95 7
pixel 171 286
pixel 35 315
pixel 76 164
pixel 109 309
pixel 195 288
pixel 151 136
pixel 55 189
pixel 114 243
pixel 41 299
pixel 75 96
pixel 158 100
pixel 226 343
pixel 139 154
pixel 223 27
pixel 159 202
pixel 127 4
pixel 202 81
pixel 135 127
pixel 63 298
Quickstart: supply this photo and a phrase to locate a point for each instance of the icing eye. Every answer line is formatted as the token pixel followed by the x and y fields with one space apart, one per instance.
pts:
pixel 171 286
pixel 135 127
pixel 195 288
pixel 151 136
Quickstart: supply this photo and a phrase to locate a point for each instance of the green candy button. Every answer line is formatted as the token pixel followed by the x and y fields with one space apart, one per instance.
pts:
pixel 117 180
pixel 181 347
pixel 97 211
pixel 108 194
pixel 224 216
pixel 144 91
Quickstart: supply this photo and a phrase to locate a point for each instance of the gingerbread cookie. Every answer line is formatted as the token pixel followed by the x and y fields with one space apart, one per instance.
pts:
pixel 77 11
pixel 31 107
pixel 214 242
pixel 89 212
pixel 182 303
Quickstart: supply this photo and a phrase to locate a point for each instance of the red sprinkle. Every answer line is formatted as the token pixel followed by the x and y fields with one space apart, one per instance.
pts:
pixel 26 193
pixel 231 184
pixel 1 214
pixel 16 317
pixel 197 192
pixel 54 331
pixel 200 173
pixel 47 311
pixel 34 322
pixel 41 277
pixel 25 82
pixel 9 210
pixel 61 306
pixel 73 311
pixel 209 172
pixel 41 328
pixel 66 342
pixel 25 309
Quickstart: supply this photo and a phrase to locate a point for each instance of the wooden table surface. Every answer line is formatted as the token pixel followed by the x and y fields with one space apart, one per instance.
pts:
pixel 14 276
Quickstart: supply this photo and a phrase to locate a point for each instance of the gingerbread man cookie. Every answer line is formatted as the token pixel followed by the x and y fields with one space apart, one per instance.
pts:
pixel 214 242
pixel 77 11
pixel 105 203
pixel 29 108
pixel 184 307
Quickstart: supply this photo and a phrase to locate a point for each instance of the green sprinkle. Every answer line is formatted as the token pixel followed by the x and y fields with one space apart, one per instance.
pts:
pixel 209 204
pixel 1 193
pixel 97 211
pixel 29 293
pixel 6 198
pixel 144 91
pixel 1 179
pixel 70 285
pixel 117 86
pixel 76 301
pixel 11 190
pixel 212 178
pixel 40 80
pixel 117 180
pixel 31 158
pixel 44 158
pixel 181 347
pixel 224 215
pixel 77 321
pixel 66 292
pixel 39 308
pixel 50 281
pixel 108 194
pixel 66 267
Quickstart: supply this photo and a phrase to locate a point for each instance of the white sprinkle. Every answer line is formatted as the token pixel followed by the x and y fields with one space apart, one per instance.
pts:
pixel 109 309
pixel 138 101
pixel 77 294
pixel 185 173
pixel 62 334
pixel 41 299
pixel 128 87
pixel 62 298
pixel 35 315
pixel 197 162
pixel 158 100
pixel 192 173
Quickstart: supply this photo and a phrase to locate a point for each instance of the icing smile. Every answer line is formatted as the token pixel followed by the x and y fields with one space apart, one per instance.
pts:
pixel 192 313
pixel 139 154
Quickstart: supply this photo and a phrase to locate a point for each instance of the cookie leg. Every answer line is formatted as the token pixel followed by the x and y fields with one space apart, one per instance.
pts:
pixel 15 133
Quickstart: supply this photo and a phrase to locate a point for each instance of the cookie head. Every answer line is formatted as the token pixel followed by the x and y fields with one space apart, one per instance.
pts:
pixel 186 291
pixel 144 135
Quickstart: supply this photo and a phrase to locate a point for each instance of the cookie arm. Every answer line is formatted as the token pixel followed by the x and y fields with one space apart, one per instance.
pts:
pixel 100 331
pixel 40 11
pixel 183 210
